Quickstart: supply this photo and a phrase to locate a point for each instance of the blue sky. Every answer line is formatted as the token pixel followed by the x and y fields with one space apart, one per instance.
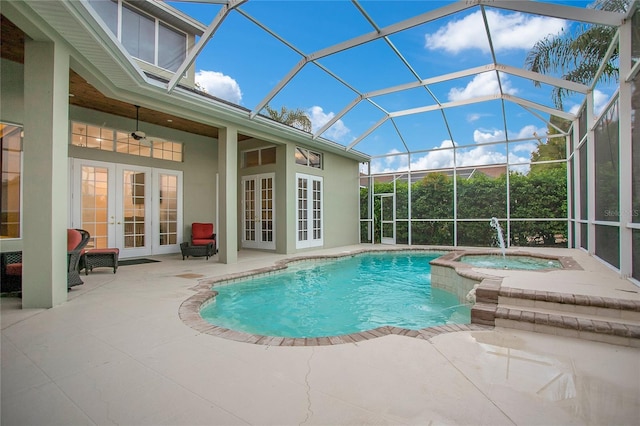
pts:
pixel 242 63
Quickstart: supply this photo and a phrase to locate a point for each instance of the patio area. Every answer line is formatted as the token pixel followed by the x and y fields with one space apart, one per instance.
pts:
pixel 118 353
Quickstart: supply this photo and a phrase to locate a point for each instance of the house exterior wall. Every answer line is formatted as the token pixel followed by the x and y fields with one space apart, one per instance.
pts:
pixel 340 195
pixel 340 199
pixel 199 166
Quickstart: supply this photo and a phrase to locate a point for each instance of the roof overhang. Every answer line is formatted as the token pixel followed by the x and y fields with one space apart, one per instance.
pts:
pixel 101 60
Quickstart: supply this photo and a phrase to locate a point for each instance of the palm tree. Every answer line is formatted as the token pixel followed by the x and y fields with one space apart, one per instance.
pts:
pixel 577 55
pixel 294 118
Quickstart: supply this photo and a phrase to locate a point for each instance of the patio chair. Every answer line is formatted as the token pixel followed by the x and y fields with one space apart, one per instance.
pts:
pixel 77 239
pixel 203 241
pixel 11 262
pixel 11 271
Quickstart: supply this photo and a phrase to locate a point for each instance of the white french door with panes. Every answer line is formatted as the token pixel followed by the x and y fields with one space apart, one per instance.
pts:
pixel 309 211
pixel 258 211
pixel 136 209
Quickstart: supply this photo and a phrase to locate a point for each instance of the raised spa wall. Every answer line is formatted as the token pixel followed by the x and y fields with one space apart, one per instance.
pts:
pixel 458 278
pixel 479 290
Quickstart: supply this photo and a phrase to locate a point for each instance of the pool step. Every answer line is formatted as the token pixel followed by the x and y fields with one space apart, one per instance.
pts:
pixel 593 318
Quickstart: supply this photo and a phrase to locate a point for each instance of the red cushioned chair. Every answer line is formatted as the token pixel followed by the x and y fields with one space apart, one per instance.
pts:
pixel 203 241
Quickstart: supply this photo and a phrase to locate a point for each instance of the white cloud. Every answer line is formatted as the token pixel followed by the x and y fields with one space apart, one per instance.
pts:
pixel 484 84
pixel 319 118
pixel 508 31
pixel 530 131
pixel 600 100
pixel 525 147
pixel 219 85
pixel 485 136
pixel 475 117
pixel 481 155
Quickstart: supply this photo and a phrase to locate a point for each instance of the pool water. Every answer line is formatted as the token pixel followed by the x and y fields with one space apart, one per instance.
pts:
pixel 510 262
pixel 330 298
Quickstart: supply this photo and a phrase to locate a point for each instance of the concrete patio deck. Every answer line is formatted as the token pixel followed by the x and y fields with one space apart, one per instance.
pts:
pixel 118 353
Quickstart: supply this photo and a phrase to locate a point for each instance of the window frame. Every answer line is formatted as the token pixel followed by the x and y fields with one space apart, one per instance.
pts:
pixel 314 236
pixel 19 128
pixel 243 156
pixel 117 142
pixel 306 154
pixel 120 4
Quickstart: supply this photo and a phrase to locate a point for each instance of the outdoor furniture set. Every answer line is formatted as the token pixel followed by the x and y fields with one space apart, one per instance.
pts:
pixel 202 244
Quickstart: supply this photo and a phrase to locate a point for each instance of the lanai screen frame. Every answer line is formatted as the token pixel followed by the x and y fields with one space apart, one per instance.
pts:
pixel 582 223
pixel 614 239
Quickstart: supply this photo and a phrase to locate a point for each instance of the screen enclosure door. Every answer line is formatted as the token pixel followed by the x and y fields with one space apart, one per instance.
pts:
pixel 387 219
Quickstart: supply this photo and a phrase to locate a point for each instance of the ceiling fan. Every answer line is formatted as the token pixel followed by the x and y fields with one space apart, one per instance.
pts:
pixel 138 134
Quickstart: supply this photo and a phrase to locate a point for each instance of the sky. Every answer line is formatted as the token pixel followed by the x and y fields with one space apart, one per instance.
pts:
pixel 243 63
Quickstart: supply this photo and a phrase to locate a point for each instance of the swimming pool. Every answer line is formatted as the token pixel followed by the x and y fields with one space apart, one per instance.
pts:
pixel 336 297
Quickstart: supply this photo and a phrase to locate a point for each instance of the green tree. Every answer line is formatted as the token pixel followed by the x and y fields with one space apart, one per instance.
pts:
pixel 577 54
pixel 554 148
pixel 294 118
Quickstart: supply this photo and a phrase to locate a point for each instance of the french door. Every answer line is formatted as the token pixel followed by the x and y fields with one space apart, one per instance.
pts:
pixel 258 211
pixel 136 209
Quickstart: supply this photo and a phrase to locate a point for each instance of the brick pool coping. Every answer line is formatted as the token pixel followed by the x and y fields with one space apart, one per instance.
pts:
pixel 189 311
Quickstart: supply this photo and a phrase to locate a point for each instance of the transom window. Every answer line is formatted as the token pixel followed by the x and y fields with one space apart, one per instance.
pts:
pixel 306 157
pixel 144 36
pixel 259 157
pixel 106 139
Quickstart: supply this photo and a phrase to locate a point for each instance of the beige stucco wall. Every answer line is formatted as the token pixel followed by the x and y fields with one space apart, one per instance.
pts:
pixel 11 92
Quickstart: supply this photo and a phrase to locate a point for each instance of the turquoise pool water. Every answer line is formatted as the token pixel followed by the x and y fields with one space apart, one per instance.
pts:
pixel 510 262
pixel 330 298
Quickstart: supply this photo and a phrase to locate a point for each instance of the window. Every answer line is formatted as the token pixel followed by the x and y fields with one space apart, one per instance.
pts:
pixel 309 220
pixel 88 136
pixel 259 157
pixel 91 136
pixel 126 144
pixel 108 11
pixel 305 157
pixel 174 47
pixel 11 167
pixel 166 150
pixel 138 34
